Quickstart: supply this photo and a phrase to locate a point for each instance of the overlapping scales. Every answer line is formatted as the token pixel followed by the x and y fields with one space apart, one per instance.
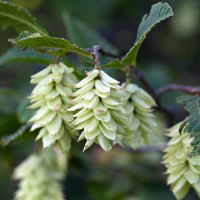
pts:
pixel 183 171
pixel 141 124
pixel 99 112
pixel 52 96
pixel 39 176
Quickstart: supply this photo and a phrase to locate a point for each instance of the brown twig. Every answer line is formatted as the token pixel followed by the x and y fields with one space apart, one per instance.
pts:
pixel 146 149
pixel 56 59
pixel 128 74
pixel 95 53
pixel 184 88
pixel 105 53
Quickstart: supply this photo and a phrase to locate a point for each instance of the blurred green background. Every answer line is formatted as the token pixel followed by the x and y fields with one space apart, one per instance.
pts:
pixel 170 54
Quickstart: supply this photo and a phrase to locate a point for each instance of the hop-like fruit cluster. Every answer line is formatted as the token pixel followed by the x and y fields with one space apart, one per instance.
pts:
pixel 52 96
pixel 39 176
pixel 99 111
pixel 140 124
pixel 184 171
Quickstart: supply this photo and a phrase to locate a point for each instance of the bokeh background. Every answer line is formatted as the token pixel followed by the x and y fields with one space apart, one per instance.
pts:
pixel 170 54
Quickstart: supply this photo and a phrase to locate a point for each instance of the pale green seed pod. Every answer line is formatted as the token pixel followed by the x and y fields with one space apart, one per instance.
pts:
pixel 141 124
pixel 40 176
pixel 183 171
pixel 99 110
pixel 52 96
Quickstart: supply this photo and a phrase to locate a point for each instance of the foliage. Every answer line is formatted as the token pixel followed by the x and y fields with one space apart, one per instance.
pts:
pixel 29 56
pixel 52 45
pixel 84 36
pixel 158 12
pixel 120 174
pixel 23 113
pixel 17 17
pixel 192 123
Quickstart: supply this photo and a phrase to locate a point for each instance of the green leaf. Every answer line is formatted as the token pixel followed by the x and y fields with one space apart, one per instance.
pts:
pixel 20 18
pixel 82 35
pixel 29 56
pixel 11 138
pixel 159 11
pixel 192 123
pixel 52 45
pixel 9 99
pixel 23 113
pixel 115 64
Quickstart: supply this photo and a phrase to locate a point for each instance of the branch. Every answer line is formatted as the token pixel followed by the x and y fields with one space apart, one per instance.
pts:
pixel 105 53
pixel 95 53
pixel 147 149
pixel 128 74
pixel 12 137
pixel 56 59
pixel 187 89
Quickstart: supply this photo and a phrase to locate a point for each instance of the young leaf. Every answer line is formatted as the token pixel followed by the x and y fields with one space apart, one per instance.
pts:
pixel 82 35
pixel 23 113
pixel 115 63
pixel 52 45
pixel 192 123
pixel 29 56
pixel 20 18
pixel 159 11
pixel 10 138
pixel 9 99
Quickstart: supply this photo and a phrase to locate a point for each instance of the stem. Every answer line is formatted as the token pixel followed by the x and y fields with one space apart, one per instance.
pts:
pixel 109 54
pixel 56 60
pixel 147 149
pixel 128 74
pixel 95 53
pixel 105 53
pixel 187 89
